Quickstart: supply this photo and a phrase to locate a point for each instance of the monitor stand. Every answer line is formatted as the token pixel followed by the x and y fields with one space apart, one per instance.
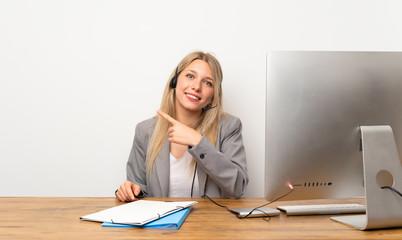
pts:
pixel 381 167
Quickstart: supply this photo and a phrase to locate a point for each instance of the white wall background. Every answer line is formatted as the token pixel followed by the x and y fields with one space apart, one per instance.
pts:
pixel 76 76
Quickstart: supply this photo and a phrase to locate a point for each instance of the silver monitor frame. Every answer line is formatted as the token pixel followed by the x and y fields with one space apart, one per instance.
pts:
pixel 316 103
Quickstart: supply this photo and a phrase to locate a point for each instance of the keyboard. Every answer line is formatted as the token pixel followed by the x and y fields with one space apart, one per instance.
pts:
pixel 342 208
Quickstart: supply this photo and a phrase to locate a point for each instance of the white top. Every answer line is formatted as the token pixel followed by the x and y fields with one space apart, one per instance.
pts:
pixel 181 176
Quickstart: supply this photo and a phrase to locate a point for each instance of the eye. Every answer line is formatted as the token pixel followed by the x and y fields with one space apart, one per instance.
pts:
pixel 208 83
pixel 191 76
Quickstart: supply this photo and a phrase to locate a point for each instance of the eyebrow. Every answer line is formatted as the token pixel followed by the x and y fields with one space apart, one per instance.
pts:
pixel 207 77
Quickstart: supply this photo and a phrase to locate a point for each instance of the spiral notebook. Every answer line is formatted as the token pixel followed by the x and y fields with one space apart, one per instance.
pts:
pixel 138 213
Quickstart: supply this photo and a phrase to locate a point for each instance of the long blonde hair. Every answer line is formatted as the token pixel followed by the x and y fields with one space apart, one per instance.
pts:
pixel 207 124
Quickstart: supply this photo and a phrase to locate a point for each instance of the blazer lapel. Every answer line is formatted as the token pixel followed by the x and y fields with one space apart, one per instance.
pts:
pixel 162 166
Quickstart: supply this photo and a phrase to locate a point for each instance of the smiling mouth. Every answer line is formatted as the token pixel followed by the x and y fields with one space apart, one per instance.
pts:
pixel 193 97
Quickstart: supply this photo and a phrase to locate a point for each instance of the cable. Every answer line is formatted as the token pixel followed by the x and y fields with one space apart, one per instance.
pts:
pixel 392 189
pixel 266 218
pixel 210 199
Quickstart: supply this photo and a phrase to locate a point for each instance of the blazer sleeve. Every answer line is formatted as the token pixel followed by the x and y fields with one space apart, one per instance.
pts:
pixel 135 168
pixel 226 163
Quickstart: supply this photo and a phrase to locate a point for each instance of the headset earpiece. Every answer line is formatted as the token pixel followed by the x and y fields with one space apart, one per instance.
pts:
pixel 173 81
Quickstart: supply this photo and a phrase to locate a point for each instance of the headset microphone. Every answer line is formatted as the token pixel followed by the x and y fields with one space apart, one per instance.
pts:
pixel 207 108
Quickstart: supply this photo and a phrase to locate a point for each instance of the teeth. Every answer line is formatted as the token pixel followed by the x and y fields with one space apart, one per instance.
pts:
pixel 193 97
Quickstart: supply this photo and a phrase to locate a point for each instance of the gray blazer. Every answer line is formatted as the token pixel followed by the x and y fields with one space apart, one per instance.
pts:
pixel 221 169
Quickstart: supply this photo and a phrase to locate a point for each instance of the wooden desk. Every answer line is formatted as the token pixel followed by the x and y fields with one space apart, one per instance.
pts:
pixel 58 218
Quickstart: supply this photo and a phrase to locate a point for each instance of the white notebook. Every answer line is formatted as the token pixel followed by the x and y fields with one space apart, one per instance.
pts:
pixel 139 212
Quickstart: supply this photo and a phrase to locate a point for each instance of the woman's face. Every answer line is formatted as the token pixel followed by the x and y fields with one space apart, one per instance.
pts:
pixel 195 87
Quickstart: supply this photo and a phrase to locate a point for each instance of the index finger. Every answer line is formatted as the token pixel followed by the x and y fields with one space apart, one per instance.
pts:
pixel 167 117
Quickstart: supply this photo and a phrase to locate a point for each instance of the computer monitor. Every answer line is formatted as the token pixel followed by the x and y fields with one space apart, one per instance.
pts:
pixel 316 105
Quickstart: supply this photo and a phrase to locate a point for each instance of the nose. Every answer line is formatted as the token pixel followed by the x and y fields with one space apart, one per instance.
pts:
pixel 196 85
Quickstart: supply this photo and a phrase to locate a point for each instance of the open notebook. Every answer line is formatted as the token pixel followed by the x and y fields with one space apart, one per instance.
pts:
pixel 171 221
pixel 137 213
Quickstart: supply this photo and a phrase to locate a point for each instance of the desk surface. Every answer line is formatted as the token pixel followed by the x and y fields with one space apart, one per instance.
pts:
pixel 58 218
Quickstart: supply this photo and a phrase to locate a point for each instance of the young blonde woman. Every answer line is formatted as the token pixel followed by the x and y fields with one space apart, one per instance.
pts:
pixel 191 147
